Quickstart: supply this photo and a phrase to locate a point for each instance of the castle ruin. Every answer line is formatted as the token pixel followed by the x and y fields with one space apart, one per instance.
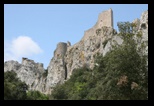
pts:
pixel 105 19
pixel 29 62
pixel 61 49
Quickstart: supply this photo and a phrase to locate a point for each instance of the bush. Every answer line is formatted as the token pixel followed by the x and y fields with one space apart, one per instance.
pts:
pixel 36 95
pixel 121 74
pixel 15 89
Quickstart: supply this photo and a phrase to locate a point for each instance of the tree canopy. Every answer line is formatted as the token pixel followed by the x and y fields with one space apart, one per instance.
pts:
pixel 121 74
pixel 15 89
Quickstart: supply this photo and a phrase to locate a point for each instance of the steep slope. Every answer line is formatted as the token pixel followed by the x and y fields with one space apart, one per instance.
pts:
pixel 67 58
pixel 97 39
pixel 29 72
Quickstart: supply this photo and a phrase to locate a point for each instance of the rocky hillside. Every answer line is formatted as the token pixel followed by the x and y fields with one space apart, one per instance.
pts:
pixel 67 57
pixel 29 72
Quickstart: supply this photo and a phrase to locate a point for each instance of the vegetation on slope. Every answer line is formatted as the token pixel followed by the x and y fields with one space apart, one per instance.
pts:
pixel 121 74
pixel 15 89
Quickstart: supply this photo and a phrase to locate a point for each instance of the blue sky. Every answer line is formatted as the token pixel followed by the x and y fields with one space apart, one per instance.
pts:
pixel 34 30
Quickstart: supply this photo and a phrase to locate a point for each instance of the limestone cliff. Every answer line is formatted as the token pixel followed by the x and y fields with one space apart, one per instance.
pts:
pixel 29 72
pixel 97 39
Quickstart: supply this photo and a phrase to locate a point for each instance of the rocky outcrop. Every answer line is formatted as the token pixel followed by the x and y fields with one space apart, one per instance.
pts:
pixel 83 52
pixel 142 28
pixel 67 57
pixel 56 69
pixel 29 72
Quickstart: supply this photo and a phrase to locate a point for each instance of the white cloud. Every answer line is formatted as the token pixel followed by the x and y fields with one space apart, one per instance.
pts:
pixel 22 46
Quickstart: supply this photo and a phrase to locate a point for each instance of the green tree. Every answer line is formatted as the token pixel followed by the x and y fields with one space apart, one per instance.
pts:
pixel 36 95
pixel 124 69
pixel 14 89
pixel 121 74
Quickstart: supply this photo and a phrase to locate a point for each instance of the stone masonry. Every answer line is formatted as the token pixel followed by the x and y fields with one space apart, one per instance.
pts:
pixel 105 19
pixel 67 57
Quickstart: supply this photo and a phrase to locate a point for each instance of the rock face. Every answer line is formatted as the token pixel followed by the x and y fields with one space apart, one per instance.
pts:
pixel 29 72
pixel 56 68
pixel 97 39
pixel 67 58
pixel 142 27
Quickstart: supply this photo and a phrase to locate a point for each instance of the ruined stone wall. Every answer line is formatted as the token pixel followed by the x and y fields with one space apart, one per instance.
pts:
pixel 26 61
pixel 61 49
pixel 81 54
pixel 40 64
pixel 105 19
pixel 31 63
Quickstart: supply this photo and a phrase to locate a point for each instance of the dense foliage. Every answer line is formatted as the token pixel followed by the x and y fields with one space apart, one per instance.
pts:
pixel 36 95
pixel 14 89
pixel 77 87
pixel 121 74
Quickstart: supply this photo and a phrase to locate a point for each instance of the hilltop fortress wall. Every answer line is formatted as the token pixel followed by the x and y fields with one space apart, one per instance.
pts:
pixel 61 49
pixel 105 18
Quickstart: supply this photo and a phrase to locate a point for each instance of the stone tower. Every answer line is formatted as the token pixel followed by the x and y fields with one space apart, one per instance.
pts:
pixel 105 18
pixel 23 59
pixel 61 49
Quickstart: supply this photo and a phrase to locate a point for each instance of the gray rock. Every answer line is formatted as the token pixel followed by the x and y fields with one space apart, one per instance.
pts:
pixel 28 72
pixel 67 58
